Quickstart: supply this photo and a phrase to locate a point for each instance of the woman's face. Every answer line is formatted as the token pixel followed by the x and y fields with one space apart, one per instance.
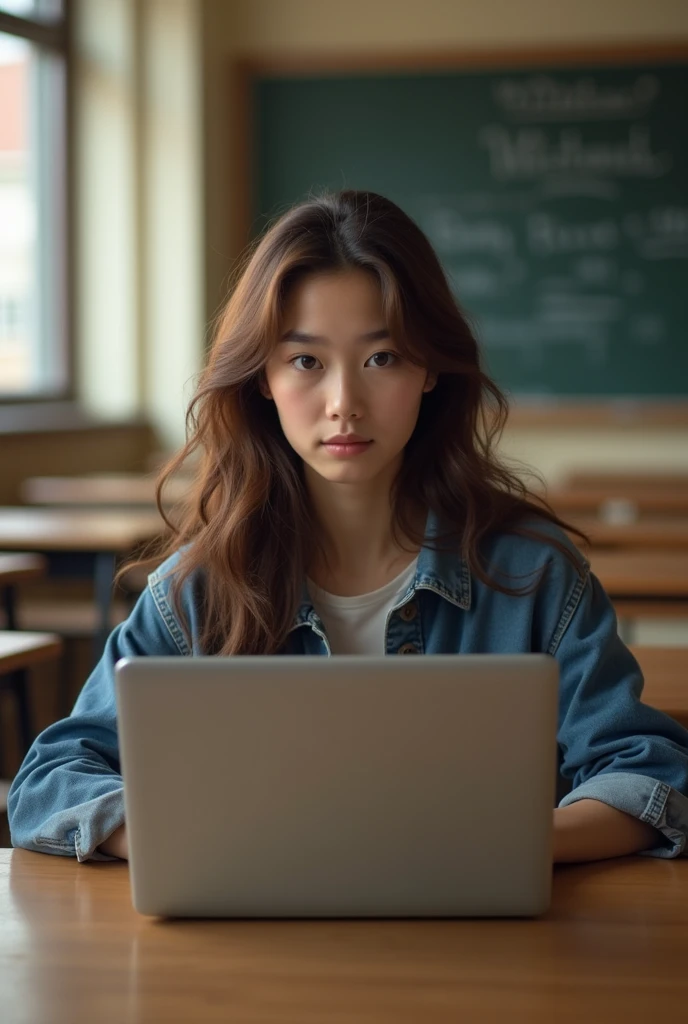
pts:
pixel 336 371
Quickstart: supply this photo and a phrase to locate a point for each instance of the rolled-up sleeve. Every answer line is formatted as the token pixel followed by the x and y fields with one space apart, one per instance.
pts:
pixel 613 747
pixel 68 796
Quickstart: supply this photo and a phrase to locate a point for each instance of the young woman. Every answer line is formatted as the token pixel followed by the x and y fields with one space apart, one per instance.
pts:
pixel 349 500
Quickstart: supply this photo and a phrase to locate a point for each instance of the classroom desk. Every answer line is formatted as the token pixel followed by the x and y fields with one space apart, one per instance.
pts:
pixel 80 541
pixel 612 505
pixel 625 482
pixel 666 679
pixel 613 947
pixel 20 652
pixel 644 583
pixel 642 574
pixel 15 569
pixel 102 489
pixel 649 532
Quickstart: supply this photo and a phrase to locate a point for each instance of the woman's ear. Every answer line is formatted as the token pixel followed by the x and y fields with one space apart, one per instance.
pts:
pixel 263 387
pixel 430 381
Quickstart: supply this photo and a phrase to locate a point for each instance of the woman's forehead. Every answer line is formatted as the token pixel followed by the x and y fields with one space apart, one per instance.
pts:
pixel 329 293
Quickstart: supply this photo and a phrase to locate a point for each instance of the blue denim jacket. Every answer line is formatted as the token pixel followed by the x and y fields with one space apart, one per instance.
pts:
pixel 68 796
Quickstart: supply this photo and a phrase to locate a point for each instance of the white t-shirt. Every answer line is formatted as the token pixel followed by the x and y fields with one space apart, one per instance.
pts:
pixel 356 625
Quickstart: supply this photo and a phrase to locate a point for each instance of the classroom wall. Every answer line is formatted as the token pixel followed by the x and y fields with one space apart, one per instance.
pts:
pixel 139 213
pixel 282 26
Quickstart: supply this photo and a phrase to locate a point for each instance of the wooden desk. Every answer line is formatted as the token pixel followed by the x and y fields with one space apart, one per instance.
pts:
pixel 666 679
pixel 23 650
pixel 20 652
pixel 613 947
pixel 14 569
pixel 612 505
pixel 111 489
pixel 625 483
pixel 98 537
pixel 644 583
pixel 654 532
pixel 49 530
pixel 642 574
pixel 18 568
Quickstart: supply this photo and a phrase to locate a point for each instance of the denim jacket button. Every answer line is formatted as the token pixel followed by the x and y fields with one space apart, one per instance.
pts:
pixel 409 612
pixel 408 649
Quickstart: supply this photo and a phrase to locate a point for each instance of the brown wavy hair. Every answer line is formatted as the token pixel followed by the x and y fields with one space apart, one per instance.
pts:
pixel 248 526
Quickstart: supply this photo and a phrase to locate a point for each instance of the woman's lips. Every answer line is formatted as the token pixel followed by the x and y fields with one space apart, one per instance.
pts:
pixel 346 448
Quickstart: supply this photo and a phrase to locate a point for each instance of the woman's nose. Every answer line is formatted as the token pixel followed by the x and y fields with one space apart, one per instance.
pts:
pixel 344 398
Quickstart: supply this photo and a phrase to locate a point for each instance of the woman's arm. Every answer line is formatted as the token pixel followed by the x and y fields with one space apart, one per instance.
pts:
pixel 627 761
pixel 592 830
pixel 68 796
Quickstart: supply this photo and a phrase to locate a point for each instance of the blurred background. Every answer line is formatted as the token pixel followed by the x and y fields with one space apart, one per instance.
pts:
pixel 543 147
pixel 124 197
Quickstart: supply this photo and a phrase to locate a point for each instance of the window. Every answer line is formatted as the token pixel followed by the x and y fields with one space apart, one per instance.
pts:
pixel 34 257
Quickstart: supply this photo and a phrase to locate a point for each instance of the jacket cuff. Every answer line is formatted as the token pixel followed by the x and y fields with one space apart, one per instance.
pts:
pixel 645 798
pixel 105 814
pixel 83 828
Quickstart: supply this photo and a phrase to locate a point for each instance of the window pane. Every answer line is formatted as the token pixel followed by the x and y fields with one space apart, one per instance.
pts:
pixel 32 209
pixel 38 10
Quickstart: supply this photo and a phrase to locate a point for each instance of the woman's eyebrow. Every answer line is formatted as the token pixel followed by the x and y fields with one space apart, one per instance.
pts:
pixel 311 339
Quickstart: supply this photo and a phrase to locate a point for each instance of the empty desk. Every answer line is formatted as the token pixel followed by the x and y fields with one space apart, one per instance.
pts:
pixel 625 483
pixel 16 569
pixel 656 532
pixel 111 489
pixel 644 583
pixel 19 652
pixel 88 540
pixel 613 506
pixel 666 679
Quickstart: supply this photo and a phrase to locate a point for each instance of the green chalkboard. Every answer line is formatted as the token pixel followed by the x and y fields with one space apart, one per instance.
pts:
pixel 556 198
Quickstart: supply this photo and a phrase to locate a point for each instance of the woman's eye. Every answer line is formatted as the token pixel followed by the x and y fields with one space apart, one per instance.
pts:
pixel 383 359
pixel 309 359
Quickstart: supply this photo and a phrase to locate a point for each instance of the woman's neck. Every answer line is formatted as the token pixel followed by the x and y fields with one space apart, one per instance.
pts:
pixel 360 552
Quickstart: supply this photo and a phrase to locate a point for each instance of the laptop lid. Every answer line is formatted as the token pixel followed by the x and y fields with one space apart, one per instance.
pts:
pixel 339 787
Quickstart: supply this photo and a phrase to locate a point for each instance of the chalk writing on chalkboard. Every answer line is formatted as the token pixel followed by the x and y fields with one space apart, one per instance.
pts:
pixel 556 199
pixel 553 222
pixel 545 98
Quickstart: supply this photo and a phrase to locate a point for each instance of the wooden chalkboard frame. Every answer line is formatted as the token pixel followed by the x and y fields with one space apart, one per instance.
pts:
pixel 612 412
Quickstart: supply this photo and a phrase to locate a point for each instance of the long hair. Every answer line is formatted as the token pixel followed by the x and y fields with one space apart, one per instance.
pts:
pixel 248 527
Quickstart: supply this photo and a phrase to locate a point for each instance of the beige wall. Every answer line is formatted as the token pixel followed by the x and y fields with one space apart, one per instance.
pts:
pixel 281 26
pixel 138 162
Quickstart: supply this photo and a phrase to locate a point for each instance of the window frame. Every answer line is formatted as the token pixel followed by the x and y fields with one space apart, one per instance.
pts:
pixel 54 36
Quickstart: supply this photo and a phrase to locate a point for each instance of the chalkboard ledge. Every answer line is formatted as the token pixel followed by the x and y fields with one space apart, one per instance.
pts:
pixel 614 412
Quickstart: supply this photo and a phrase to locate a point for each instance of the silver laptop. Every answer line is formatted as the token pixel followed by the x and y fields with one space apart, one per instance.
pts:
pixel 296 786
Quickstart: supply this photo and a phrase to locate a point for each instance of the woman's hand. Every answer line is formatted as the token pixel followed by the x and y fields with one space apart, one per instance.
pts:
pixel 116 844
pixel 592 830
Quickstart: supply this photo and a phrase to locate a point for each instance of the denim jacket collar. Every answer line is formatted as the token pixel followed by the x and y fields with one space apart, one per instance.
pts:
pixel 445 572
